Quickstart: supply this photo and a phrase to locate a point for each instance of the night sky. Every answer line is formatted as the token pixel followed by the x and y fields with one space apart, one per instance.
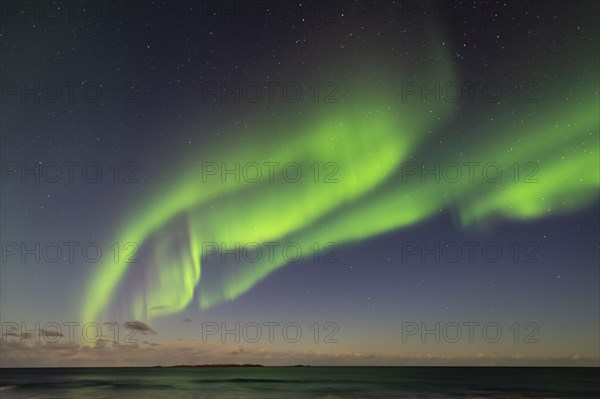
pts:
pixel 377 167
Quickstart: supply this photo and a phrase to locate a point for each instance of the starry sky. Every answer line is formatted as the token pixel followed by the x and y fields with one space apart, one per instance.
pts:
pixel 400 166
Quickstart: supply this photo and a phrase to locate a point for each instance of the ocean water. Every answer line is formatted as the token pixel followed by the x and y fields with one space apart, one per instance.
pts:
pixel 302 382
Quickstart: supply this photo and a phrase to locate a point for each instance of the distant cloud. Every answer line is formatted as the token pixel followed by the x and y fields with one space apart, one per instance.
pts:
pixel 50 333
pixel 128 345
pixel 106 353
pixel 139 326
pixel 242 350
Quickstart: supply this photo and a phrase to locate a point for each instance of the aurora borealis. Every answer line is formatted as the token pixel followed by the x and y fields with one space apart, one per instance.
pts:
pixel 564 149
pixel 522 167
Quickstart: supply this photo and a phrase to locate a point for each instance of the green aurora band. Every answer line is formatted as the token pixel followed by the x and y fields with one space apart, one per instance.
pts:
pixel 370 136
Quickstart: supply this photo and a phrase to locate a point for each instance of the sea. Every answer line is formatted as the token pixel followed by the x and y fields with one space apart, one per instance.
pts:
pixel 301 382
